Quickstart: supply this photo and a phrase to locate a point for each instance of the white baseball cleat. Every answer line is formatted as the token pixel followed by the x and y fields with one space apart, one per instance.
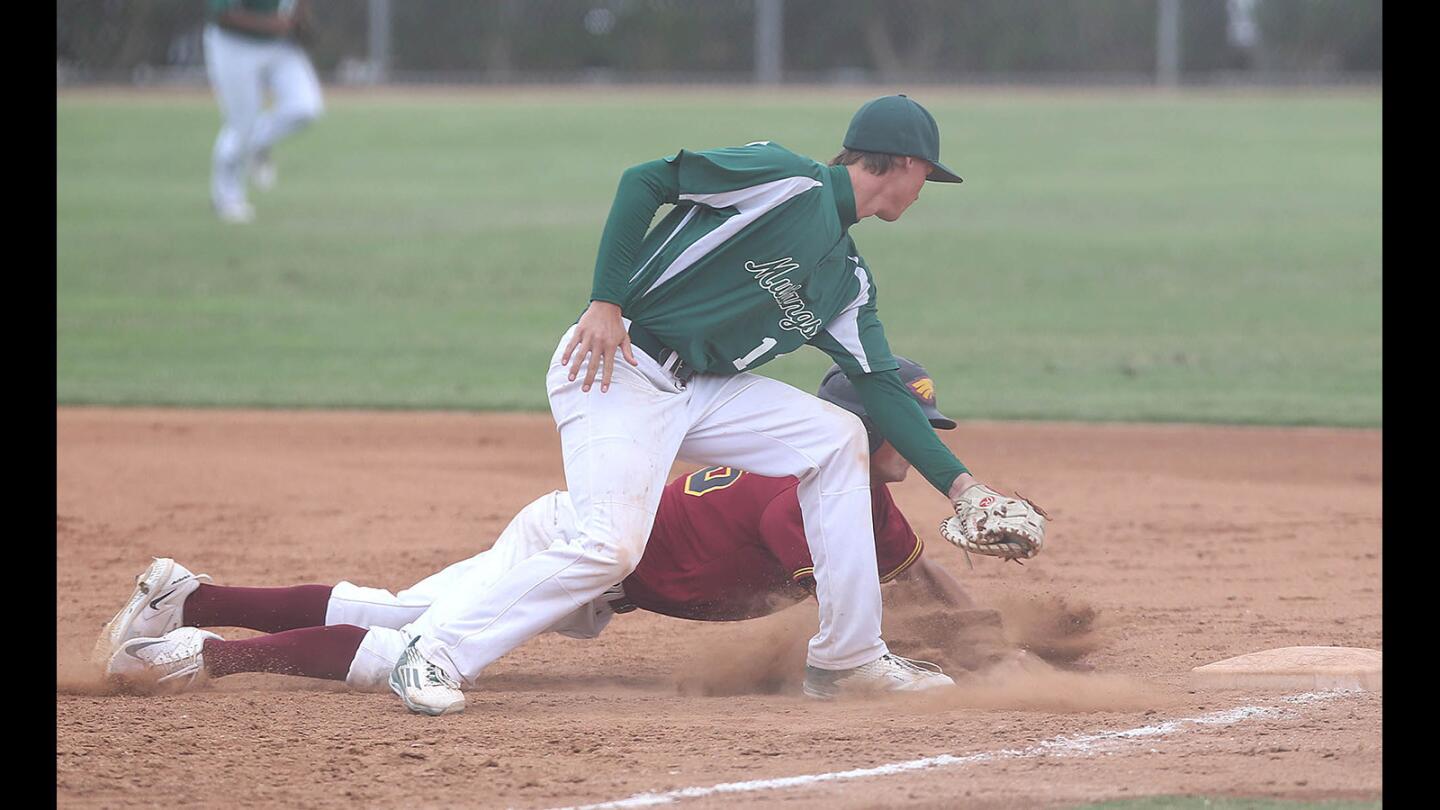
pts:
pixel 423 687
pixel 173 662
pixel 263 173
pixel 888 673
pixel 154 609
pixel 237 213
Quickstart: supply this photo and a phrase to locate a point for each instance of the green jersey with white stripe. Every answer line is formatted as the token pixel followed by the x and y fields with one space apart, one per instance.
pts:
pixel 218 7
pixel 753 262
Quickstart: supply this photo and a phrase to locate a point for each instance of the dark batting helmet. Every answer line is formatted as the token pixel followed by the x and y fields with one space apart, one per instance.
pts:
pixel 837 389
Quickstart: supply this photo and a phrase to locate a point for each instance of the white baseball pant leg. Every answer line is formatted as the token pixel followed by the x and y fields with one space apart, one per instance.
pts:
pixel 296 93
pixel 547 521
pixel 234 65
pixel 240 72
pixel 769 428
pixel 618 448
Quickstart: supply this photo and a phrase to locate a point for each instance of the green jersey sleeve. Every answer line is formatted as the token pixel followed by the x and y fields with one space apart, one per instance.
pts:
pixel 729 176
pixel 897 416
pixel 218 7
pixel 643 189
pixel 742 176
pixel 855 340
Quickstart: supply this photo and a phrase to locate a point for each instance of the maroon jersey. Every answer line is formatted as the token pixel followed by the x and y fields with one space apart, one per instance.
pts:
pixel 730 545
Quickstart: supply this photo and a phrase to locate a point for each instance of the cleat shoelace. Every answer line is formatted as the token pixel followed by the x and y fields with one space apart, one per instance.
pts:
pixel 913 665
pixel 435 676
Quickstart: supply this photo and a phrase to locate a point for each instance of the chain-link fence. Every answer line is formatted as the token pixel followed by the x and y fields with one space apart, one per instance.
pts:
pixel 798 41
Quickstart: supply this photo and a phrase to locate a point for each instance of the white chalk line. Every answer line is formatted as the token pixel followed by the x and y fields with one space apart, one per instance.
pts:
pixel 1061 746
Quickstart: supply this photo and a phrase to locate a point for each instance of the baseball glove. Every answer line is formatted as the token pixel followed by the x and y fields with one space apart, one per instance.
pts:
pixel 995 525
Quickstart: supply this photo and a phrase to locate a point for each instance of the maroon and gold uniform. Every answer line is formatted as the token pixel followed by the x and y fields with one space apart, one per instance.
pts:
pixel 726 545
pixel 730 545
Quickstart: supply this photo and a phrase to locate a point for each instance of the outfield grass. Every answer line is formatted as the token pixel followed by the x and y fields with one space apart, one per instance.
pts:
pixel 1212 258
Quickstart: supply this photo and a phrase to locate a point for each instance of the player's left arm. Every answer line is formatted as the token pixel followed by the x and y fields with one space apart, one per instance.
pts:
pixel 856 341
pixel 898 418
pixel 985 521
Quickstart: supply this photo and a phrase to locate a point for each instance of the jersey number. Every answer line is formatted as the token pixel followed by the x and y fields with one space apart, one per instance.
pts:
pixel 765 345
pixel 711 479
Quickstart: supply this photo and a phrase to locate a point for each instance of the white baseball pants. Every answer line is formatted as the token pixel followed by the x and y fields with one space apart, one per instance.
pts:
pixel 241 70
pixel 618 449
pixel 394 619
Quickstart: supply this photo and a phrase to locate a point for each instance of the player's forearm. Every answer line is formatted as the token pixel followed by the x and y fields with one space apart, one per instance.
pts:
pixel 897 416
pixel 643 189
pixel 962 482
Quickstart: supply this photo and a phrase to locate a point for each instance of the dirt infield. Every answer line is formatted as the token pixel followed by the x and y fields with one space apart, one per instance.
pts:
pixel 1172 546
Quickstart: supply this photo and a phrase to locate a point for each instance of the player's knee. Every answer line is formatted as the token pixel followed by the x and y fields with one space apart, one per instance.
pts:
pixel 841 440
pixel 846 432
pixel 303 113
pixel 618 554
pixel 845 444
pixel 622 558
pixel 305 116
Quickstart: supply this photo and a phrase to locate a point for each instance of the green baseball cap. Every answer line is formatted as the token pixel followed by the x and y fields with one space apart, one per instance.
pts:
pixel 898 125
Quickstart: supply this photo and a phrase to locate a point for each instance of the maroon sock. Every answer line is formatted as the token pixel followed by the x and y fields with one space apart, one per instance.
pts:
pixel 313 652
pixel 270 610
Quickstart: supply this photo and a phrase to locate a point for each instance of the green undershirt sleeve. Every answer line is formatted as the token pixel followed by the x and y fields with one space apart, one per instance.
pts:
pixel 643 189
pixel 897 417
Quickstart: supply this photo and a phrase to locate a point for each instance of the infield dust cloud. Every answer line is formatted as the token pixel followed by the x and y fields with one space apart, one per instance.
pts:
pixel 1019 656
pixel 763 656
pixel 1055 628
pixel 1029 683
pixel 76 675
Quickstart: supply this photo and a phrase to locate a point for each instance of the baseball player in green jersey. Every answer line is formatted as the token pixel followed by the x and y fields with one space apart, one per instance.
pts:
pixel 250 48
pixel 754 261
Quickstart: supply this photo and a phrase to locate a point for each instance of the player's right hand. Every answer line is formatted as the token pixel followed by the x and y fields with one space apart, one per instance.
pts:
pixel 598 335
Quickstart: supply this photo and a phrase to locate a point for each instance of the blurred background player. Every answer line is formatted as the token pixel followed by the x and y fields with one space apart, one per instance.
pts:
pixel 253 47
pixel 726 545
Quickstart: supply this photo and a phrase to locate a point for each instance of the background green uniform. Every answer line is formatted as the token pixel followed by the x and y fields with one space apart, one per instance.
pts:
pixel 269 7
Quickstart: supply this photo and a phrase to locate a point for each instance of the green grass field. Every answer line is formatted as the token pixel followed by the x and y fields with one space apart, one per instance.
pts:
pixel 1124 256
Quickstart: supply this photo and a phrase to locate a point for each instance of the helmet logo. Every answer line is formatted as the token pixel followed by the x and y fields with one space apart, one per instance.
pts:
pixel 925 387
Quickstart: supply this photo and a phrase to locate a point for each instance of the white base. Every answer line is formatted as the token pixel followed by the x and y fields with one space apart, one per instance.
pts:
pixel 1294 668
